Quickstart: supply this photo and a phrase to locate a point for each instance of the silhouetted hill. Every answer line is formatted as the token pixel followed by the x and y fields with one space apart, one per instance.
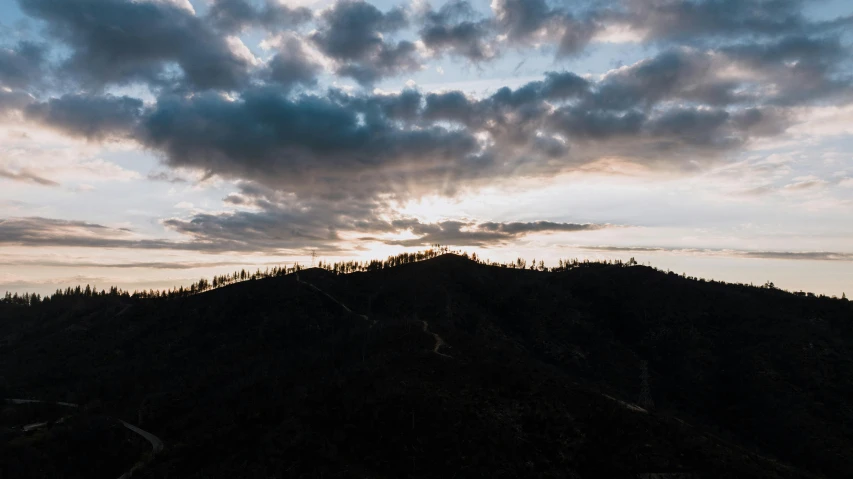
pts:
pixel 451 368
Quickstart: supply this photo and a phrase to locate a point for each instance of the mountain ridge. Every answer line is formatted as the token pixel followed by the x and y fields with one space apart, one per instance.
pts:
pixel 723 362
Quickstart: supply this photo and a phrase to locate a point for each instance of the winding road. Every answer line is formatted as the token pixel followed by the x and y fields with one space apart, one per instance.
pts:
pixel 156 443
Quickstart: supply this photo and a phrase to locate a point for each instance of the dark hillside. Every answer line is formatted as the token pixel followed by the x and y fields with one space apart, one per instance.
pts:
pixel 450 367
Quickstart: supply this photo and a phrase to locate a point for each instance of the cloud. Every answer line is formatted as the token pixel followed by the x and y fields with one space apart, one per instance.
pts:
pixel 277 221
pixel 460 233
pixel 13 101
pixel 799 185
pixel 811 183
pixel 678 74
pixel 352 32
pixel 332 146
pixel 800 255
pixel 455 28
pixel 784 255
pixel 118 42
pixel 518 228
pixel 274 221
pixel 162 43
pixel 22 66
pixel 797 69
pixel 41 232
pixel 691 21
pixel 671 112
pixel 26 176
pixel 177 265
pixel 89 116
pixel 318 163
pixel 236 15
pixel 165 176
pixel 287 229
pixel 37 230
pixel 529 22
pixel 675 111
pixel 292 64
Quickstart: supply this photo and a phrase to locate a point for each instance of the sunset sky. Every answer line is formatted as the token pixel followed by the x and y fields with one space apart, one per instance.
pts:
pixel 149 143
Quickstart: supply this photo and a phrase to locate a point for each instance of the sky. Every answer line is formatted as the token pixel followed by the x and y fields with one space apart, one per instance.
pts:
pixel 149 143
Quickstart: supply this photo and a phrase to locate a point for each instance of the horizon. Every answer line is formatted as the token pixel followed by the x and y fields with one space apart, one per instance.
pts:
pixel 147 144
pixel 343 267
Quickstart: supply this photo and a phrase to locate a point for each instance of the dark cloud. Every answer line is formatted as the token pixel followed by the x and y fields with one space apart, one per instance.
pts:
pixel 39 232
pixel 570 26
pixel 277 221
pixel 528 22
pixel 694 126
pixel 43 231
pixel 389 60
pixel 236 15
pixel 459 233
pixel 292 65
pixel 321 166
pixel 563 85
pixel 273 230
pixel 595 125
pixel 330 146
pixel 690 20
pixel 679 74
pixel 352 29
pixel 517 228
pixel 27 177
pixel 521 19
pixel 273 221
pixel 669 112
pixel 352 32
pixel 13 101
pixel 22 66
pixel 405 106
pixel 453 106
pixel 455 28
pixel 120 41
pixel 279 226
pixel 788 71
pixel 89 116
pixel 684 106
pixel 798 69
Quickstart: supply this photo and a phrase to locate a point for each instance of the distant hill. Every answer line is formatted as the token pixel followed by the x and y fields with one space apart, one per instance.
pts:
pixel 450 368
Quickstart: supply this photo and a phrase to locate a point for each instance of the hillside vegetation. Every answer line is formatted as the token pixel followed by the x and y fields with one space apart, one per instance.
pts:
pixel 452 368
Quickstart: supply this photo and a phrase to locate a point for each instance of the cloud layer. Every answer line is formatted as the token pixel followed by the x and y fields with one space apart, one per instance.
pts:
pixel 319 162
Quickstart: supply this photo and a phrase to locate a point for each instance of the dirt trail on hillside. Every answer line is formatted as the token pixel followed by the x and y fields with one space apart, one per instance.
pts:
pixel 342 305
pixel 439 342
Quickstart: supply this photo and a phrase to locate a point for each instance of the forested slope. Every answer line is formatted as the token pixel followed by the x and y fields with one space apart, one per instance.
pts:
pixel 596 371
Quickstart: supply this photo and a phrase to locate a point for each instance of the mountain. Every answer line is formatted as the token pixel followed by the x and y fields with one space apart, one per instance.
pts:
pixel 452 368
